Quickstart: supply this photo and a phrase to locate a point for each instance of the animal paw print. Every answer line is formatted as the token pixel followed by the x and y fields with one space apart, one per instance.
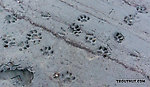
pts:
pixel 34 36
pixel 83 18
pixel 90 38
pixel 141 9
pixel 47 50
pixel 23 45
pixel 8 41
pixel 75 29
pixel 45 14
pixel 11 18
pixel 129 19
pixel 103 51
pixel 119 37
pixel 65 77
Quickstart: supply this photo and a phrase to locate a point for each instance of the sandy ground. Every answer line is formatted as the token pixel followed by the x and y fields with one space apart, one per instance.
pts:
pixel 74 43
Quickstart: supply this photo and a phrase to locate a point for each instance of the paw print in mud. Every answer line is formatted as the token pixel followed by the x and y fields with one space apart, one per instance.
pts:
pixel 23 45
pixel 46 15
pixel 119 37
pixel 83 18
pixel 65 77
pixel 103 51
pixel 90 38
pixel 8 41
pixel 11 18
pixel 75 29
pixel 129 19
pixel 34 36
pixel 47 50
pixel 141 9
